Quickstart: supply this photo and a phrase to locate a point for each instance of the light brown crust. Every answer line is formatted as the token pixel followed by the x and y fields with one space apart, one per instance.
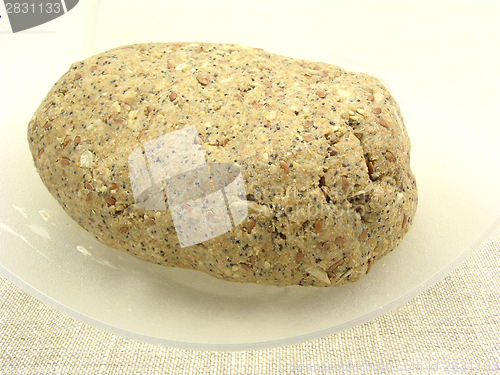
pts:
pixel 323 152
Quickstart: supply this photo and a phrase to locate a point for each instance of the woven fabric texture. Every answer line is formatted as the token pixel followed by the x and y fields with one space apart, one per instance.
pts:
pixel 452 328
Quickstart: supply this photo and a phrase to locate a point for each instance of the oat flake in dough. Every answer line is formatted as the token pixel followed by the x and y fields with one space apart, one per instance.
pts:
pixel 323 152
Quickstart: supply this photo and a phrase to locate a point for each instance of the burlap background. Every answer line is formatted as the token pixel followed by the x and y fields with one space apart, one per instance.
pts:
pixel 454 327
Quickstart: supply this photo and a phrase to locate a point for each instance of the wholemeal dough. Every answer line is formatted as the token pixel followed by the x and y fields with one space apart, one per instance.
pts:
pixel 323 153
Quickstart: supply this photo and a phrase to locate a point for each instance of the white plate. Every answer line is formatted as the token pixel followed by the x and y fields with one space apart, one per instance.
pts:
pixel 439 59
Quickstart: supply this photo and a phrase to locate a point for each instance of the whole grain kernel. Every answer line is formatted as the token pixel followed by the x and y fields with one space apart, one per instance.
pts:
pixel 123 229
pixel 143 131
pixel 77 140
pixel 345 185
pixel 363 235
pixel 307 138
pixel 78 76
pixel 93 69
pixel 332 150
pixel 377 111
pixel 371 98
pixel 47 124
pixel 370 263
pixel 40 152
pixel 337 263
pixel 405 220
pixel 390 156
pixel 321 94
pixel 173 96
pixel 370 167
pixel 109 200
pixel 113 186
pixel 246 267
pixel 339 241
pixel 149 222
pixel 89 197
pixel 285 167
pixel 66 142
pixel 327 245
pixel 318 226
pixel 65 161
pixel 47 106
pixel 382 122
pixel 251 225
pixel 88 186
pixel 299 256
pixel 308 124
pixel 203 79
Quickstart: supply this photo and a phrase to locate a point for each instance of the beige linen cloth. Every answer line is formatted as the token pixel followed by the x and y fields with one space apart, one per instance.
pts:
pixel 452 328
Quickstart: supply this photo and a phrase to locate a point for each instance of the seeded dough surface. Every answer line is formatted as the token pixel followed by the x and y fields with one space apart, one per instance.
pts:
pixel 323 152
